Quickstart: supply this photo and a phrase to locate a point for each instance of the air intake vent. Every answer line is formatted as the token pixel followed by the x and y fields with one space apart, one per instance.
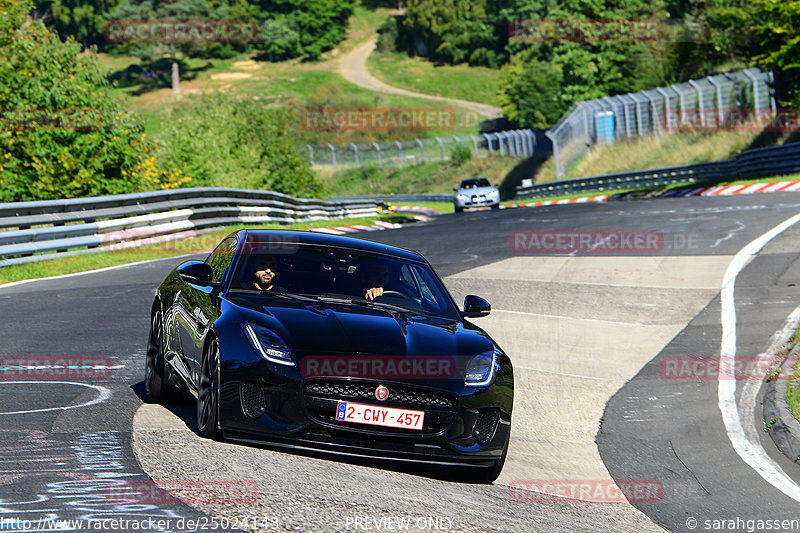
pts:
pixel 254 403
pixel 486 425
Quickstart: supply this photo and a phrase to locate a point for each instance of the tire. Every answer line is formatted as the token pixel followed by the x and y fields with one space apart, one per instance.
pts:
pixel 495 206
pixel 208 393
pixel 458 209
pixel 154 361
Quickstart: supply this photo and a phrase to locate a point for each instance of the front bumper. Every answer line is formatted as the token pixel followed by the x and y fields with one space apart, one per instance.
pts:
pixel 467 429
pixel 476 201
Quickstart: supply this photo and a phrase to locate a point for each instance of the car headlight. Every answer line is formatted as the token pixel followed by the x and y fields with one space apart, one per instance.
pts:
pixel 494 193
pixel 461 196
pixel 268 345
pixel 482 369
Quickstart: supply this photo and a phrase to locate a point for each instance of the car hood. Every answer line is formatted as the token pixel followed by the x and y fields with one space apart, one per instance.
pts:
pixel 320 329
pixel 479 190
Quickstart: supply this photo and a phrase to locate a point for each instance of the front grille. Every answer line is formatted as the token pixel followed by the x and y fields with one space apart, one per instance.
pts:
pixel 321 399
pixel 254 403
pixel 408 396
pixel 485 426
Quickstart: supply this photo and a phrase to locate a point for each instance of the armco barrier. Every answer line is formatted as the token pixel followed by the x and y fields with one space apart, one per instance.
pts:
pixel 88 224
pixel 756 163
pixel 397 198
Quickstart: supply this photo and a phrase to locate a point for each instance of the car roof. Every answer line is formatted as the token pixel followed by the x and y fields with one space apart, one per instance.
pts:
pixel 324 239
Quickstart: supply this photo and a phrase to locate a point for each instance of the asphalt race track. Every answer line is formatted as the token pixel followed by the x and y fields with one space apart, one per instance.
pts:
pixel 591 335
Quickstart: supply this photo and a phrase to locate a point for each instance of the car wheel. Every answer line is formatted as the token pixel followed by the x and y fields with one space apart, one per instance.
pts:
pixel 496 206
pixel 458 209
pixel 154 361
pixel 208 393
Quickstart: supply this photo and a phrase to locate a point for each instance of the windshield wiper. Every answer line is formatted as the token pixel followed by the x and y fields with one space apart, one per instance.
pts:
pixel 382 305
pixel 289 295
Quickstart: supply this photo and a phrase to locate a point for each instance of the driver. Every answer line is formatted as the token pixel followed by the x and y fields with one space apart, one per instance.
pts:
pixel 375 276
pixel 264 274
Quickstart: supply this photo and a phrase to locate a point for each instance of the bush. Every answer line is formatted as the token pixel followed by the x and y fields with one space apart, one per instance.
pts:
pixel 460 154
pixel 62 135
pixel 225 142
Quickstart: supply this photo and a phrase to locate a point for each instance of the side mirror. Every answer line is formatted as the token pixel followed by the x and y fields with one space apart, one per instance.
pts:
pixel 475 307
pixel 455 189
pixel 197 273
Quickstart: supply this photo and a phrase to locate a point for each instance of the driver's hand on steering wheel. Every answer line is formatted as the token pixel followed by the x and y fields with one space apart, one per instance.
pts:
pixel 373 293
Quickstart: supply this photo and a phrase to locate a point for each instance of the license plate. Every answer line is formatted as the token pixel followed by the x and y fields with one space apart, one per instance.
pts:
pixel 392 417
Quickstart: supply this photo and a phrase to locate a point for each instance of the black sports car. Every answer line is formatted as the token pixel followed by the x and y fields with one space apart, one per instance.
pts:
pixel 331 343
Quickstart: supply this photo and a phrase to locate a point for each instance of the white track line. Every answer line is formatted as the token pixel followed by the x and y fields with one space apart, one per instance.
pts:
pixel 751 452
pixel 103 395
pixel 95 271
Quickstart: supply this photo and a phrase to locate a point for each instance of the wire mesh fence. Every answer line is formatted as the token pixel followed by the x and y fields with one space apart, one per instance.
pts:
pixel 712 103
pixel 514 143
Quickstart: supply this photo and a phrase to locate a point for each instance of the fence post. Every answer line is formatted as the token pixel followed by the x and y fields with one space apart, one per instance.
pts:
pixel 421 149
pixel 333 155
pixel 653 113
pixel 311 157
pixel 755 89
pixel 720 112
pixel 667 117
pixel 400 149
pixel 378 149
pixel 355 149
pixel 682 99
pixel 488 137
pixel 458 141
pixel 559 170
pixel 475 144
pixel 441 149
pixel 700 103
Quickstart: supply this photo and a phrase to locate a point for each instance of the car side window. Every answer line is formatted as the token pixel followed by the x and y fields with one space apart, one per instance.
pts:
pixel 220 259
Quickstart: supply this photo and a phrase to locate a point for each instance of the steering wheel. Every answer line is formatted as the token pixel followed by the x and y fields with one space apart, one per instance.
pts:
pixel 392 293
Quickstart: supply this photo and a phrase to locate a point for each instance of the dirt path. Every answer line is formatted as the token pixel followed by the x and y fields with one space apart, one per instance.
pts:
pixel 353 66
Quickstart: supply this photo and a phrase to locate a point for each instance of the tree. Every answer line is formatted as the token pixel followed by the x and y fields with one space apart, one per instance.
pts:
pixel 171 27
pixel 318 25
pixel 82 19
pixel 228 142
pixel 62 135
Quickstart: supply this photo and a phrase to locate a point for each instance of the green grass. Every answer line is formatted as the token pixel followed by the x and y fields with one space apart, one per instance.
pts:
pixel 475 84
pixel 793 390
pixel 658 151
pixel 442 207
pixel 202 243
pixel 425 178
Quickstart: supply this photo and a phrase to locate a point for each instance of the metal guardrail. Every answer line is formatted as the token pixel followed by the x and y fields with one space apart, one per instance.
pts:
pixel 756 163
pixel 710 103
pixel 397 198
pixel 512 143
pixel 56 228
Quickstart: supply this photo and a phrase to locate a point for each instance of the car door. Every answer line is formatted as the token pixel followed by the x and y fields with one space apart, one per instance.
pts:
pixel 199 309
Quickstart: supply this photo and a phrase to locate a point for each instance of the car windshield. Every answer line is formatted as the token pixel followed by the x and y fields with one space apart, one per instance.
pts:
pixel 475 183
pixel 342 275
